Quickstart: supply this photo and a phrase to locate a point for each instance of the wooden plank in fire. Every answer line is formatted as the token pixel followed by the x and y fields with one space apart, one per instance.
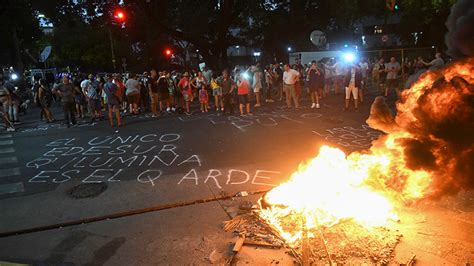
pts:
pixel 275 232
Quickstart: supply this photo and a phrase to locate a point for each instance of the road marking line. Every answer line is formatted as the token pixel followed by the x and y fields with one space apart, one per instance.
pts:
pixel 6 142
pixel 7 150
pixel 11 159
pixel 9 172
pixel 11 188
pixel 5 136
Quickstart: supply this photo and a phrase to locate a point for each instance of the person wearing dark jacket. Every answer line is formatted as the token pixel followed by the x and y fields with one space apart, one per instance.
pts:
pixel 352 82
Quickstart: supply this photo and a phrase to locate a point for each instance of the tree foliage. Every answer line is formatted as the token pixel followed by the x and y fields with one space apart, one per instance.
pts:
pixel 210 26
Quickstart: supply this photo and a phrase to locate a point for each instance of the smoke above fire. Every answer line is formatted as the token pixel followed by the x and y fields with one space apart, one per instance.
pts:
pixel 460 24
pixel 432 134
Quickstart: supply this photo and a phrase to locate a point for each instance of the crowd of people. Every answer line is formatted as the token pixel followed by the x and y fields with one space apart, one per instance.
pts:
pixel 161 92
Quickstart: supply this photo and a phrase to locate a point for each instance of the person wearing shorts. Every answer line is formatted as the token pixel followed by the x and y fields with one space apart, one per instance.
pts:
pixel 133 93
pixel 243 89
pixel 91 89
pixel 110 90
pixel 184 86
pixel 315 84
pixel 352 83
pixel 217 93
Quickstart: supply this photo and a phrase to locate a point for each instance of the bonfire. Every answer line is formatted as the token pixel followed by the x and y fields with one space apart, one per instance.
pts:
pixel 342 206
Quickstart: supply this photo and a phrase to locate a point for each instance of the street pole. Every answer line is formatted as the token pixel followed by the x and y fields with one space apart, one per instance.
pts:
pixel 112 49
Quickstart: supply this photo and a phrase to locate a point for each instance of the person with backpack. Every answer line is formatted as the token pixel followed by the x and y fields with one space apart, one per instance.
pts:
pixel 43 100
pixel 113 102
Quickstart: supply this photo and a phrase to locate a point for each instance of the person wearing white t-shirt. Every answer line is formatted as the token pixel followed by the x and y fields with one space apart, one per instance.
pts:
pixel 392 68
pixel 352 82
pixel 290 77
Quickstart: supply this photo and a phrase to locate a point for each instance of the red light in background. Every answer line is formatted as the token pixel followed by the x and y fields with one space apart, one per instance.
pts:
pixel 168 52
pixel 119 15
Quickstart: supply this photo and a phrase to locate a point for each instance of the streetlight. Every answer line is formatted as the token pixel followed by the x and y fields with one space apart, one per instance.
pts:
pixel 289 49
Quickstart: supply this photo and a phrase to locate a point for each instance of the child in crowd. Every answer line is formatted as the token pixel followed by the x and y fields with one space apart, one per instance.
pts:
pixel 204 99
pixel 243 88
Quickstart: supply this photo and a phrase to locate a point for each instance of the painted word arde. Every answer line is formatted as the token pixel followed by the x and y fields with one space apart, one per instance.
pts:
pixel 144 158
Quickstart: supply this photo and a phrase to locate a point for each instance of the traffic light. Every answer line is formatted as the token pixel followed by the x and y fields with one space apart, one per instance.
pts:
pixel 391 4
pixel 119 16
pixel 168 52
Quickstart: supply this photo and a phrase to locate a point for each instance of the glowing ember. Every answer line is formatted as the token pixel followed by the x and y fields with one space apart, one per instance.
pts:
pixel 426 153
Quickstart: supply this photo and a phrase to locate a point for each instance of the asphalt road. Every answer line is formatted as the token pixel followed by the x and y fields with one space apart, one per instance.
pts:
pixel 158 186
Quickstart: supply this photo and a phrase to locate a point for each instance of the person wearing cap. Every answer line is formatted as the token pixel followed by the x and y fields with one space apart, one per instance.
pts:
pixel 184 86
pixel 113 102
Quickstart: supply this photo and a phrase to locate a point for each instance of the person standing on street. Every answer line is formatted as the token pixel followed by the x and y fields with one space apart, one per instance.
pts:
pixel 290 77
pixel 257 83
pixel 227 85
pixel 217 93
pixel 243 89
pixel 269 79
pixel 382 74
pixel 392 68
pixel 315 84
pixel 163 92
pixel 44 99
pixel 110 90
pixel 91 90
pixel 66 92
pixel 153 92
pixel 78 97
pixel 184 86
pixel 278 80
pixel 133 93
pixel 5 100
pixel 364 70
pixel 352 82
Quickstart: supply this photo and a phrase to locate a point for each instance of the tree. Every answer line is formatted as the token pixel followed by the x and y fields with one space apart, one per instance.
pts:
pixel 20 28
pixel 427 16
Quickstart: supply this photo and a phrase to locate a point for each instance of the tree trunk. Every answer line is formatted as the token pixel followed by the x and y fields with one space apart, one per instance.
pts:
pixel 16 52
